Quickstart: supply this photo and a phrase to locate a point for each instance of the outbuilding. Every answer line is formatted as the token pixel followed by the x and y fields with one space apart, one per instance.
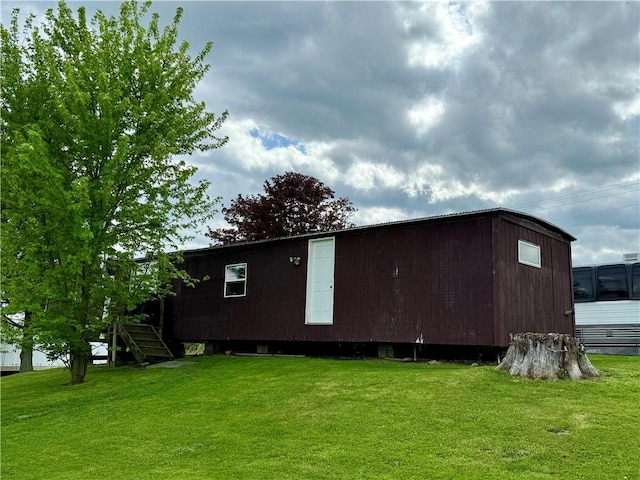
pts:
pixel 458 280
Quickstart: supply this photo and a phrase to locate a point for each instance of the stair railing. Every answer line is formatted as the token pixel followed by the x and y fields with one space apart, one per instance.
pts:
pixel 133 346
pixel 161 341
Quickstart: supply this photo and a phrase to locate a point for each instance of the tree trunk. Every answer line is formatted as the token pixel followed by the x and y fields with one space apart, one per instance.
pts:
pixel 26 345
pixel 79 362
pixel 547 356
pixel 26 357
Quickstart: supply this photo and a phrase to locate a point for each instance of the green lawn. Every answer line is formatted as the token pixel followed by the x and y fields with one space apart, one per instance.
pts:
pixel 305 418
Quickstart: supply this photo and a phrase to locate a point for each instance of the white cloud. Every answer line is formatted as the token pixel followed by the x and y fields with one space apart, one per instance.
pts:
pixel 614 243
pixel 250 154
pixel 629 109
pixel 367 176
pixel 456 33
pixel 426 115
pixel 427 180
pixel 375 215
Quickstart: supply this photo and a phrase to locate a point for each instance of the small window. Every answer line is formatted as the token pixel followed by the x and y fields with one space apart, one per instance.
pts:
pixel 529 253
pixel 583 284
pixel 235 280
pixel 612 282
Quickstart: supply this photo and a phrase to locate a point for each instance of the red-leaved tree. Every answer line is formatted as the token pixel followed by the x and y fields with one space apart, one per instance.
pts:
pixel 293 204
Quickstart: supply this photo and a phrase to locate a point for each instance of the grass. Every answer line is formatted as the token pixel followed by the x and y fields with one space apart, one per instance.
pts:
pixel 304 418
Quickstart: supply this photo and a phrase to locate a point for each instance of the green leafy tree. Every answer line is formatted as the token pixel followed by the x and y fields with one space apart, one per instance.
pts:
pixel 95 115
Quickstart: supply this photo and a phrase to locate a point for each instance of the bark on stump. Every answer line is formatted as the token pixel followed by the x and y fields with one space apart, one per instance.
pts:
pixel 547 356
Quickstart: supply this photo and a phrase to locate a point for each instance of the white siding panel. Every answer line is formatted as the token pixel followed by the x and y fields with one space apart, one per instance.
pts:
pixel 608 313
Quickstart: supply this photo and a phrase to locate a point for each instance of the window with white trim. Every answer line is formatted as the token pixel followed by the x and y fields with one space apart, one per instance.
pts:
pixel 529 254
pixel 235 280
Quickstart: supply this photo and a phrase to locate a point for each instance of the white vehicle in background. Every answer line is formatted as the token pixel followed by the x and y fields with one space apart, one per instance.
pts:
pixel 10 358
pixel 10 354
pixel 607 306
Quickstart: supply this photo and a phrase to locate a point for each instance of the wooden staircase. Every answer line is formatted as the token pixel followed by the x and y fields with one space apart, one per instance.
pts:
pixel 144 342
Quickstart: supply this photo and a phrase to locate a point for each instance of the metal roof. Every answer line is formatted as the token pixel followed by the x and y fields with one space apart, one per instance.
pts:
pixel 469 214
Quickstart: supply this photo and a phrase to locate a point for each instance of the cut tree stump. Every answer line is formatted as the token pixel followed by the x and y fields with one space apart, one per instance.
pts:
pixel 547 356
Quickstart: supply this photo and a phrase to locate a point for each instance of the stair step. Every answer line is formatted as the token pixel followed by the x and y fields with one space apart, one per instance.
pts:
pixel 157 353
pixel 137 336
pixel 144 345
pixel 146 340
pixel 155 340
pixel 139 329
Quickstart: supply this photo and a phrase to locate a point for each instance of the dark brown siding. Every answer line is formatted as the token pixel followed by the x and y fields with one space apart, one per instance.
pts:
pixel 429 282
pixel 272 308
pixel 426 283
pixel 530 299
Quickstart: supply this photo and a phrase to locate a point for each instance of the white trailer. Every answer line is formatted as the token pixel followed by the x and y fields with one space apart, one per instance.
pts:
pixel 10 358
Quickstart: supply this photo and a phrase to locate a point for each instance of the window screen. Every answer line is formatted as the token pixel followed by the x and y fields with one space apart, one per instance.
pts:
pixel 583 284
pixel 612 282
pixel 529 253
pixel 235 280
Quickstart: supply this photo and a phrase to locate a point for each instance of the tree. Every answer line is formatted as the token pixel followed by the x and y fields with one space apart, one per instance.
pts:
pixel 547 356
pixel 17 331
pixel 93 117
pixel 293 204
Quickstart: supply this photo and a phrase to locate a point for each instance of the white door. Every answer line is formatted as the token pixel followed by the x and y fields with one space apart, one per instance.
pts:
pixel 320 262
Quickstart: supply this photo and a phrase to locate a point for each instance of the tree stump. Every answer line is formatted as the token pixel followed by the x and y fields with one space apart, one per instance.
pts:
pixel 547 356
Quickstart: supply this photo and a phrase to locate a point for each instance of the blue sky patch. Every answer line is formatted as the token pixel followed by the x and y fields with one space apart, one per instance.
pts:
pixel 275 140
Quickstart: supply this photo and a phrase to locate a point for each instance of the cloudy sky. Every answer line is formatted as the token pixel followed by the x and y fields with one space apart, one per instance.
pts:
pixel 418 109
